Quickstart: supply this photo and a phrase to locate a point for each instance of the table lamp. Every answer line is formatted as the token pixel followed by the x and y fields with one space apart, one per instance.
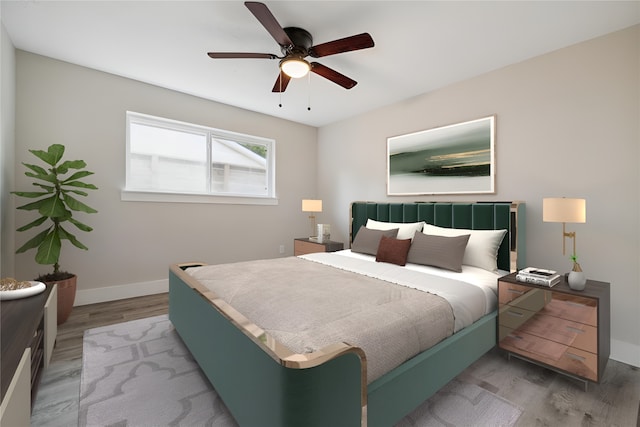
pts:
pixel 567 210
pixel 312 206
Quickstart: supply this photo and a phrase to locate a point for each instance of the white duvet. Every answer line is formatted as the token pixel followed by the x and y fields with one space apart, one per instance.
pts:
pixel 469 303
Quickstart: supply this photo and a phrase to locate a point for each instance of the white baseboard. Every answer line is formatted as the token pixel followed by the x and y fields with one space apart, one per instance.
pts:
pixel 625 352
pixel 113 293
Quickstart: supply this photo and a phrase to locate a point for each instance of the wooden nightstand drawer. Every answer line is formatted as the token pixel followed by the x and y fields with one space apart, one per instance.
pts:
pixel 514 317
pixel 579 362
pixel 508 292
pixel 573 360
pixel 563 331
pixel 573 307
pixel 307 246
pixel 302 248
pixel 524 297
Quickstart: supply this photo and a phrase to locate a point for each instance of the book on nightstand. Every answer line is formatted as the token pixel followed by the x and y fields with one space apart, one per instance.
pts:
pixel 538 276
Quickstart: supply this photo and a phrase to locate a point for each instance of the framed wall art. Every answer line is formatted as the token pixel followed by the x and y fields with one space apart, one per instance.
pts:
pixel 453 159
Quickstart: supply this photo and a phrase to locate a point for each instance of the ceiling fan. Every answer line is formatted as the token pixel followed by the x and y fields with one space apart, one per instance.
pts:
pixel 296 44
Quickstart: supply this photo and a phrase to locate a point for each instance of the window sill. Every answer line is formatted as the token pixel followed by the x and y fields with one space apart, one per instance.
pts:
pixel 150 196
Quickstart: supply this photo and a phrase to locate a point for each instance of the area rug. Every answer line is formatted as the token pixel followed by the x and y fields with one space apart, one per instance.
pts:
pixel 139 374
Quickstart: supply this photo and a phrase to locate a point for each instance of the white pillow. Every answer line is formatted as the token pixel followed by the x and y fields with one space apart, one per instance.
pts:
pixel 405 230
pixel 482 248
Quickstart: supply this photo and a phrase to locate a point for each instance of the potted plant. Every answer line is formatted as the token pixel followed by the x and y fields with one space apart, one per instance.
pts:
pixel 577 279
pixel 55 204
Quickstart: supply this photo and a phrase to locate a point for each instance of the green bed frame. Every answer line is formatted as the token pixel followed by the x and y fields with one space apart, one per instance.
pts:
pixel 264 385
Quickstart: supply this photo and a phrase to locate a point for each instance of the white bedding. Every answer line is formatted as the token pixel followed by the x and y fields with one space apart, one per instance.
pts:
pixel 468 306
pixel 307 306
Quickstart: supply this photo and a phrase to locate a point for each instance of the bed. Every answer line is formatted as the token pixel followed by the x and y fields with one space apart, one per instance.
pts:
pixel 264 382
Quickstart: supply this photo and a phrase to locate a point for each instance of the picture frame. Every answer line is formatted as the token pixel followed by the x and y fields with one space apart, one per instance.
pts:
pixel 451 159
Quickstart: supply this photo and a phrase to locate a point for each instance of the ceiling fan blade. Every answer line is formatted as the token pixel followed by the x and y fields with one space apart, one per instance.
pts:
pixel 269 22
pixel 333 75
pixel 281 83
pixel 235 55
pixel 347 44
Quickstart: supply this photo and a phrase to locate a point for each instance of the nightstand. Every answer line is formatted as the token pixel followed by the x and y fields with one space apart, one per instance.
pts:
pixel 304 246
pixel 559 328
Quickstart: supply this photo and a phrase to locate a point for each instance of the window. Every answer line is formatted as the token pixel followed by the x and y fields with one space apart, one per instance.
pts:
pixel 171 158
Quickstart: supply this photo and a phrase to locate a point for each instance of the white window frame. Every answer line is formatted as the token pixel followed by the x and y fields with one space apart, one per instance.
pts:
pixel 210 196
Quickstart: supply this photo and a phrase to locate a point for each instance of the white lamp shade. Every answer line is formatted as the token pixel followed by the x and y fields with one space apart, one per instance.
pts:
pixel 564 210
pixel 311 205
pixel 295 67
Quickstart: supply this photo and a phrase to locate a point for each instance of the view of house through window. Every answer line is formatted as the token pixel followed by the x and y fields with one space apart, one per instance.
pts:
pixel 175 157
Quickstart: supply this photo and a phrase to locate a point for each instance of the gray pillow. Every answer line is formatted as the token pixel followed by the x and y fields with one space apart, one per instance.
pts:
pixel 368 240
pixel 438 251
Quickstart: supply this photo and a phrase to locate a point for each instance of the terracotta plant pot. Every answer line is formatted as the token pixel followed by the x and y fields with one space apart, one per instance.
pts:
pixel 66 297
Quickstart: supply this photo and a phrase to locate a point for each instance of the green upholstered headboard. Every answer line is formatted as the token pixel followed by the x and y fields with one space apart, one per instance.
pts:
pixel 471 215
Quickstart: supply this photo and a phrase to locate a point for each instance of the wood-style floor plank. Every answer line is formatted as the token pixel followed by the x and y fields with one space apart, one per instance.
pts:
pixel 70 333
pixel 546 398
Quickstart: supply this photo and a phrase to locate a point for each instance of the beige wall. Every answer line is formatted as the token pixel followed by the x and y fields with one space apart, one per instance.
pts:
pixel 134 242
pixel 567 125
pixel 7 141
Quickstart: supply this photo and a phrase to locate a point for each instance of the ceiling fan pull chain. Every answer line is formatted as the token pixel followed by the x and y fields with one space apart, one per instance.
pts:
pixel 280 81
pixel 308 91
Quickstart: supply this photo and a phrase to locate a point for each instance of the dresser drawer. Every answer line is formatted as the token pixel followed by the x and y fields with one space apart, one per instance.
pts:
pixel 525 297
pixel 302 248
pixel 573 360
pixel 562 331
pixel 512 318
pixel 565 306
pixel 580 362
pixel 306 246
pixel 574 308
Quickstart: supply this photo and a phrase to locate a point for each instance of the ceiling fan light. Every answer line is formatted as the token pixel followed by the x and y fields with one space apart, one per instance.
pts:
pixel 295 67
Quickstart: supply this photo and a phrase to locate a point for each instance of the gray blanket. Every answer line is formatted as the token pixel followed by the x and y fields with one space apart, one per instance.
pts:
pixel 306 306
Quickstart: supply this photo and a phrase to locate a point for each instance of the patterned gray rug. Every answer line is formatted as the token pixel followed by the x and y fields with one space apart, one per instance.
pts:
pixel 140 374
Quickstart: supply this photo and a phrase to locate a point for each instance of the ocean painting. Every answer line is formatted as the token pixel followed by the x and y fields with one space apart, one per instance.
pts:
pixel 454 159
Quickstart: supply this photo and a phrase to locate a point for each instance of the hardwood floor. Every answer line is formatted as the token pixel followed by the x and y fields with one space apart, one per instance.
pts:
pixel 69 341
pixel 546 398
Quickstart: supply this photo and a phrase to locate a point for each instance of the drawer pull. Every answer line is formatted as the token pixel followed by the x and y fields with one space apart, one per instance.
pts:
pixel 515 313
pixel 576 330
pixel 576 304
pixel 515 291
pixel 576 357
pixel 515 337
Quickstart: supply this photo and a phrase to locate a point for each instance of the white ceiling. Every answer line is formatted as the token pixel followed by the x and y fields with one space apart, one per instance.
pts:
pixel 419 45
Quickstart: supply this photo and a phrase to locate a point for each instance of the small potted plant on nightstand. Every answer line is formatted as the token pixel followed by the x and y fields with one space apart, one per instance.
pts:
pixel 55 206
pixel 576 279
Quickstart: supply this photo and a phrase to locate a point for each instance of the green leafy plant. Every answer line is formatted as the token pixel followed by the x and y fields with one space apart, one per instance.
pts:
pixel 55 206
pixel 576 265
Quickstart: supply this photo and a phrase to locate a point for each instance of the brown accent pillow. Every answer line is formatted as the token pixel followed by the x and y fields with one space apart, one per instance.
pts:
pixel 393 250
pixel 367 240
pixel 438 251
